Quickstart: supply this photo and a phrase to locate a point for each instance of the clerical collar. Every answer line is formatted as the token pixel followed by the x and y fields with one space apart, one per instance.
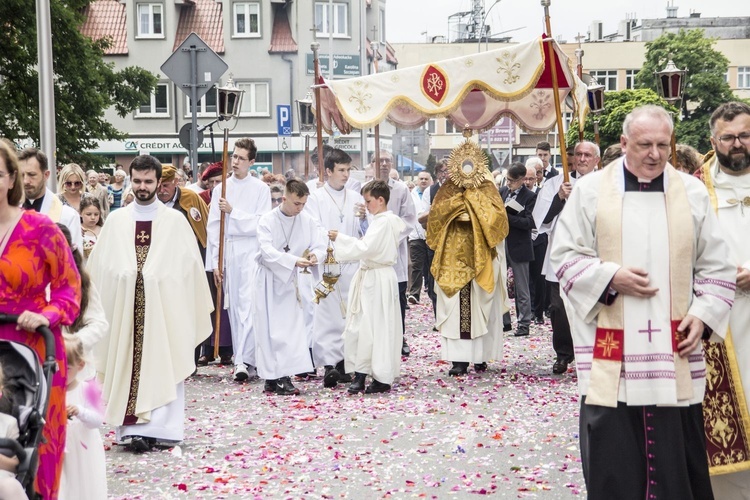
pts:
pixel 633 183
pixel 145 212
pixel 35 205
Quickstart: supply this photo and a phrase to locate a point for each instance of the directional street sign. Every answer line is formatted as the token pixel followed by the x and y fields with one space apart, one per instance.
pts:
pixel 209 68
pixel 194 67
pixel 284 119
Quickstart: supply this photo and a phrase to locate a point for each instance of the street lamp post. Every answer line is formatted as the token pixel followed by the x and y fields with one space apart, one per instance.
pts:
pixel 228 103
pixel 670 83
pixel 306 126
pixel 481 28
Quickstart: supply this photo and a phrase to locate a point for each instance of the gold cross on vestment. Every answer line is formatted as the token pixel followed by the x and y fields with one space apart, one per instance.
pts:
pixel 142 237
pixel 608 343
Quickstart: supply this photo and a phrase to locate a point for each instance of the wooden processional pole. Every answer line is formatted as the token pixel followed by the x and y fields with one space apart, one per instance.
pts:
pixel 318 118
pixel 552 62
pixel 220 286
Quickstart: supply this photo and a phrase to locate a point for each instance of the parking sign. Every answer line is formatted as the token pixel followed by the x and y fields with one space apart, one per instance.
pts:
pixel 284 119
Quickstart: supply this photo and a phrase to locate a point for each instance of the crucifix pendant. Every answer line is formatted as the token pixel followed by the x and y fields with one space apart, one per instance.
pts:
pixel 341 218
pixel 286 248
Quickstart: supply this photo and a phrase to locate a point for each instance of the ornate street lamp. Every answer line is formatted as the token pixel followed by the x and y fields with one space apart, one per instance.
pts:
pixel 670 83
pixel 229 101
pixel 306 126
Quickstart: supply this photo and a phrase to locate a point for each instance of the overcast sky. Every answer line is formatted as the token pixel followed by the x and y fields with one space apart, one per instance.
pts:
pixel 408 20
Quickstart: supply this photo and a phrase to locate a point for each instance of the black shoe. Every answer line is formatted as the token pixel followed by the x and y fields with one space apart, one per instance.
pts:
pixel 480 367
pixel 346 378
pixel 204 360
pixel 561 365
pixel 539 321
pixel 507 328
pixel 376 387
pixel 521 333
pixel 226 360
pixel 139 444
pixel 358 384
pixel 405 351
pixel 459 368
pixel 302 376
pixel 284 387
pixel 332 377
pixel 269 386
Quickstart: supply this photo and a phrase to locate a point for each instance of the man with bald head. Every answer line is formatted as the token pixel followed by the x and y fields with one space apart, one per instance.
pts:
pixel 646 274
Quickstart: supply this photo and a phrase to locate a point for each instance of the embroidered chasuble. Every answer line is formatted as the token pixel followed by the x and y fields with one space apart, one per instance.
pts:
pixel 725 405
pixel 142 244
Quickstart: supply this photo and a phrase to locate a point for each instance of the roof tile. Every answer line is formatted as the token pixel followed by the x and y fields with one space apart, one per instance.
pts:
pixel 107 19
pixel 204 17
pixel 281 38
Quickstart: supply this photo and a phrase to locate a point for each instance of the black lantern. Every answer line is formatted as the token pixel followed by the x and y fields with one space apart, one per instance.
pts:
pixel 306 116
pixel 228 101
pixel 670 82
pixel 595 92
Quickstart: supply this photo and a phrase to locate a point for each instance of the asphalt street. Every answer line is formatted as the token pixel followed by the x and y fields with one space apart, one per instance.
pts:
pixel 510 432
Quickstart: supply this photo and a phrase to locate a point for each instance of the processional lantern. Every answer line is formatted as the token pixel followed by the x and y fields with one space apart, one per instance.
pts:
pixel 595 91
pixel 670 82
pixel 229 101
pixel 306 116
pixel 331 275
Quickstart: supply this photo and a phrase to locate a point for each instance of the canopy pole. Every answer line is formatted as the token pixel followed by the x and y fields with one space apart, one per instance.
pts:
pixel 318 117
pixel 376 169
pixel 579 70
pixel 555 90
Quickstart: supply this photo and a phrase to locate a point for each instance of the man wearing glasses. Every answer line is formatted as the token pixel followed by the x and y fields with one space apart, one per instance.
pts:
pixel 35 170
pixel 727 177
pixel 247 199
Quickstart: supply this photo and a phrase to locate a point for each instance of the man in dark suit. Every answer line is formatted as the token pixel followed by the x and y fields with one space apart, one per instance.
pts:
pixel 519 205
pixel 441 172
pixel 544 153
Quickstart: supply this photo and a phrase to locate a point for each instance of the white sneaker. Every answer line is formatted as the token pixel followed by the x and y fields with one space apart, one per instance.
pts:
pixel 251 372
pixel 240 373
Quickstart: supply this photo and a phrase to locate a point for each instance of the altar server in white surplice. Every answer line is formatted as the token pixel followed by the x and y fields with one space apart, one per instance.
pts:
pixel 290 240
pixel 335 207
pixel 247 199
pixel 644 267
pixel 726 408
pixel 373 335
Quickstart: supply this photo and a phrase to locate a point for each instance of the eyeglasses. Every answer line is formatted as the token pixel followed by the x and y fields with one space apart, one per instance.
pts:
pixel 386 160
pixel 3 175
pixel 73 183
pixel 728 139
pixel 275 200
pixel 240 158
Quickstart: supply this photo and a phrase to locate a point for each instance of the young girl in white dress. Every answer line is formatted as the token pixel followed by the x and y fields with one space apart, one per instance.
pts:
pixel 91 223
pixel 84 468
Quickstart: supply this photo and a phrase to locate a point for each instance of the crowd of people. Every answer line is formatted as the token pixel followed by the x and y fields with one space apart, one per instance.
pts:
pixel 638 261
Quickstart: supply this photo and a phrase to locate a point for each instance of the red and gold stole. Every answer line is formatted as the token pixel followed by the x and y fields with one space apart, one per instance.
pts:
pixel 610 335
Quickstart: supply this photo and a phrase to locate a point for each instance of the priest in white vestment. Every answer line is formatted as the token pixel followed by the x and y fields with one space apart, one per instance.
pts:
pixel 247 199
pixel 726 407
pixel 466 228
pixel 289 240
pixel 153 289
pixel 335 207
pixel 373 332
pixel 645 272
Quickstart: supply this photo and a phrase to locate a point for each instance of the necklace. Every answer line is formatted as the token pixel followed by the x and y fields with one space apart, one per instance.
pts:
pixel 340 209
pixel 291 230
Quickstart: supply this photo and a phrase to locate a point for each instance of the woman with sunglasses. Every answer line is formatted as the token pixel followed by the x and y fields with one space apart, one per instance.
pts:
pixel 70 186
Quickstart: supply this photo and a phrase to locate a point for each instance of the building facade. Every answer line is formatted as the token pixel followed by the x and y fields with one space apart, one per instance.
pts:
pixel 267 46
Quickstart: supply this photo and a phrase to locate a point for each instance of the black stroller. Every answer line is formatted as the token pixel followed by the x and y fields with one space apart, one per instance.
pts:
pixel 27 384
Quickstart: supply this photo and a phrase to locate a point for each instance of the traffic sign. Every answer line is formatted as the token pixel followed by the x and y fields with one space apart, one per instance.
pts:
pixel 284 119
pixel 185 136
pixel 209 66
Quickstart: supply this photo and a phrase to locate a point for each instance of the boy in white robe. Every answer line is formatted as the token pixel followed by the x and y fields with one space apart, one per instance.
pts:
pixel 373 333
pixel 335 206
pixel 247 199
pixel 289 240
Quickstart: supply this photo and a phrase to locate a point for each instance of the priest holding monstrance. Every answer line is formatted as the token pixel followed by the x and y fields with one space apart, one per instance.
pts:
pixel 466 228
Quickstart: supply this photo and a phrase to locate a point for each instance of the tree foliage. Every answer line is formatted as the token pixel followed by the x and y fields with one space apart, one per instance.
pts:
pixel 85 85
pixel 617 105
pixel 706 85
